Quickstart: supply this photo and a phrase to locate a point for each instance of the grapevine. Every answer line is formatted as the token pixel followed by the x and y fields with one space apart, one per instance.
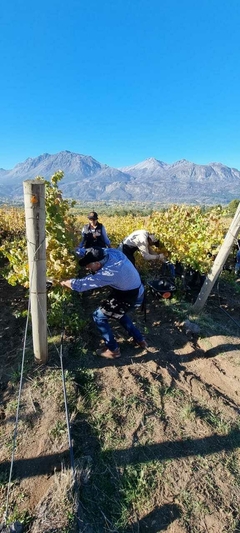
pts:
pixel 60 240
pixel 60 245
pixel 187 234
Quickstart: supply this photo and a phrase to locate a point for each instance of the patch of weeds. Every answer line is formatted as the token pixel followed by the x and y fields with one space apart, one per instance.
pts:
pixel 200 463
pixel 36 382
pixel 230 278
pixel 138 486
pixel 9 443
pixel 150 391
pixel 15 374
pixel 210 326
pixel 75 324
pixel 80 352
pixel 86 382
pixel 11 407
pixel 121 404
pixel 106 430
pixel 171 392
pixel 115 498
pixel 233 465
pixel 115 417
pixel 181 309
pixel 209 497
pixel 214 419
pixel 58 430
pixel 188 412
pixel 153 393
pixel 23 517
pixel 193 509
pixel 54 339
pixel 51 385
pixel 71 392
pixel 20 314
pixel 21 496
pixel 70 528
pixel 100 495
pixel 133 400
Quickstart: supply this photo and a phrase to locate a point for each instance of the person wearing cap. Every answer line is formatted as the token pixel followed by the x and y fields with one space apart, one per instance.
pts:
pixel 110 267
pixel 142 241
pixel 93 235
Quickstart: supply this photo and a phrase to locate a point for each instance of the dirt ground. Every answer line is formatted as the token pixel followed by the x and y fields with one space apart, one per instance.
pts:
pixel 205 365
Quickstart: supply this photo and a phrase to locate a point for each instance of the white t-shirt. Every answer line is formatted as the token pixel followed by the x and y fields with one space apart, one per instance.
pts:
pixel 139 239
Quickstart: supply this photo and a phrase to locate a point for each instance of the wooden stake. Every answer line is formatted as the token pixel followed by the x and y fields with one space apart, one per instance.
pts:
pixel 34 201
pixel 218 263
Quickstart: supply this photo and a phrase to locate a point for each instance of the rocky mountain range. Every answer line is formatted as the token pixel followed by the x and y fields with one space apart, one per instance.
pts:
pixel 85 179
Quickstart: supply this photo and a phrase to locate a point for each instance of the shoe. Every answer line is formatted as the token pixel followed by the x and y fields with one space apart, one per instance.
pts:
pixel 109 354
pixel 142 344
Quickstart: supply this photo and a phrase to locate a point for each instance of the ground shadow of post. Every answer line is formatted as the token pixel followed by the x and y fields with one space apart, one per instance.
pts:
pixel 160 517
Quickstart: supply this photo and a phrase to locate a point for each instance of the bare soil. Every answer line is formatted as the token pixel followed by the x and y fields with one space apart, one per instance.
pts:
pixel 203 369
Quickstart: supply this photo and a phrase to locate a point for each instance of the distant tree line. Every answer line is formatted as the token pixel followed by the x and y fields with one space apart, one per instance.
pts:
pixel 143 209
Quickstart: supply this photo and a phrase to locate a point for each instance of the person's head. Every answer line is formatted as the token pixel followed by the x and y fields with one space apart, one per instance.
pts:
pixel 153 240
pixel 93 217
pixel 92 259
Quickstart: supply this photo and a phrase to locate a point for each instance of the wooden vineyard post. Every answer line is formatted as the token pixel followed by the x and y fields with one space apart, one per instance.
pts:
pixel 218 263
pixel 34 202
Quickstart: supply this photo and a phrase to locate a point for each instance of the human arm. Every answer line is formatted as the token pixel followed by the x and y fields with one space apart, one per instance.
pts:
pixel 88 283
pixel 147 252
pixel 105 237
pixel 151 256
pixel 80 249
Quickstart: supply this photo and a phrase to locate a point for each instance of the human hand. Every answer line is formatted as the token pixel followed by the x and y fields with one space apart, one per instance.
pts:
pixel 162 258
pixel 66 283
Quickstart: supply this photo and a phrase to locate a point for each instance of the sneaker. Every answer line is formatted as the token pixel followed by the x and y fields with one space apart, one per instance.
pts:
pixel 142 344
pixel 109 354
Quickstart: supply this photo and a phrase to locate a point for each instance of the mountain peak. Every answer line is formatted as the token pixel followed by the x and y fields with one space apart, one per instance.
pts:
pixel 148 164
pixel 182 162
pixel 150 180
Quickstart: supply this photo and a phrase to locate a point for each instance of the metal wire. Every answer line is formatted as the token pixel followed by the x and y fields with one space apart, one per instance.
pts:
pixel 17 414
pixel 66 409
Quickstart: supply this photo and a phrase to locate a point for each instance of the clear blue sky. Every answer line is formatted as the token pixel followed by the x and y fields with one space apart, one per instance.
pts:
pixel 120 80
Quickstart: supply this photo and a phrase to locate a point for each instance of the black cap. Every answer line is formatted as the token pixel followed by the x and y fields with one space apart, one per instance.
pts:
pixel 93 215
pixel 91 256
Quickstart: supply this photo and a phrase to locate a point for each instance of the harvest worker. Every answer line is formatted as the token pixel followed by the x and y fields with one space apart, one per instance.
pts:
pixel 111 268
pixel 142 241
pixel 93 235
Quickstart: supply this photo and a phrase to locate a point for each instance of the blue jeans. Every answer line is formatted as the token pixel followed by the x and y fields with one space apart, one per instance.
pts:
pixel 237 268
pixel 237 264
pixel 102 324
